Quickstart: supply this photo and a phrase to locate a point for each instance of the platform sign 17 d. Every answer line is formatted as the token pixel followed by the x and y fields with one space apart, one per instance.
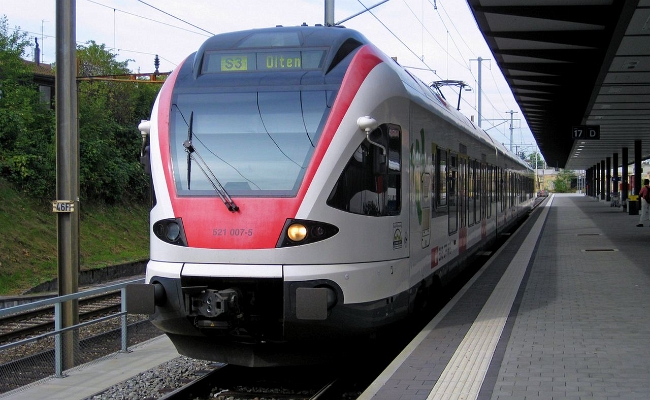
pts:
pixel 585 132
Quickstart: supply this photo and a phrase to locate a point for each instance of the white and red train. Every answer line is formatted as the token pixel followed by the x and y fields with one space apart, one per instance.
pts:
pixel 307 188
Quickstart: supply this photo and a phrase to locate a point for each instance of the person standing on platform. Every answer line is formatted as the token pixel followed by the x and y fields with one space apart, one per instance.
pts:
pixel 644 195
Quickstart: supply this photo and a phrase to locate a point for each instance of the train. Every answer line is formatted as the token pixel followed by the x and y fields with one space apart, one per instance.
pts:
pixel 309 190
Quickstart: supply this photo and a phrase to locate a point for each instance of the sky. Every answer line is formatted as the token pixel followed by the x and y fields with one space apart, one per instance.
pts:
pixel 424 35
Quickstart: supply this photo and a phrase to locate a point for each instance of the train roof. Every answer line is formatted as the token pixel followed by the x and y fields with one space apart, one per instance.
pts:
pixel 283 36
pixel 425 94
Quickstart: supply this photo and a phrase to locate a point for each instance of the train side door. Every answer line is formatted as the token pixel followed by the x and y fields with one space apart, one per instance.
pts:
pixel 397 189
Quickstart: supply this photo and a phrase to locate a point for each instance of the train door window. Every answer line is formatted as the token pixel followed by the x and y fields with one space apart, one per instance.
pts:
pixel 506 185
pixel 511 188
pixel 475 192
pixel 515 179
pixel 462 191
pixel 478 192
pixel 515 189
pixel 471 187
pixel 441 176
pixel 501 187
pixel 504 194
pixel 497 187
pixel 471 193
pixel 370 183
pixel 481 192
pixel 489 180
pixel 452 193
pixel 518 191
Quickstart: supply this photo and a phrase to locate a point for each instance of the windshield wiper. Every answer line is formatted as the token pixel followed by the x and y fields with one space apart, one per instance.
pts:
pixel 193 155
pixel 189 157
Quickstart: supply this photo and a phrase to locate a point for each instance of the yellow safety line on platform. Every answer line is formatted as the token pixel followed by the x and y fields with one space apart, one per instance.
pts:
pixel 464 375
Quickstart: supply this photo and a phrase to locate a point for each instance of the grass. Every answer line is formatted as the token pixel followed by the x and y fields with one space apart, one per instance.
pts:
pixel 109 235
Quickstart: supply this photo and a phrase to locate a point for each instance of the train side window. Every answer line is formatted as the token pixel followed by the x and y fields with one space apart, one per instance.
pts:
pixel 370 183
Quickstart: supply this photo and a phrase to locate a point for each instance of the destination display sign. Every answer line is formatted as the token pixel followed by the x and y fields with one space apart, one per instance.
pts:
pixel 219 62
pixel 585 132
pixel 236 62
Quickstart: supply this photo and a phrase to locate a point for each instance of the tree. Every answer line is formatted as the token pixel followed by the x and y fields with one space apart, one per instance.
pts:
pixel 109 113
pixel 563 180
pixel 535 160
pixel 26 127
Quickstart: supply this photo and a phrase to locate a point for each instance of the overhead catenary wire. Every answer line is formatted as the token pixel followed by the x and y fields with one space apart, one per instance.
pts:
pixel 154 20
pixel 420 59
pixel 494 80
pixel 397 37
pixel 175 17
pixel 429 68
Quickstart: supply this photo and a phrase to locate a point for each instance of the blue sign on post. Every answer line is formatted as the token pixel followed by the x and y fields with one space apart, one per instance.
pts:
pixel 585 132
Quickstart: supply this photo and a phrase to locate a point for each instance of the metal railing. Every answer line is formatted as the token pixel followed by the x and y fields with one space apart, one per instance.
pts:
pixel 59 330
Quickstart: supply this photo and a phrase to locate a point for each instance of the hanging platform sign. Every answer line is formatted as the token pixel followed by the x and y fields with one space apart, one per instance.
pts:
pixel 585 132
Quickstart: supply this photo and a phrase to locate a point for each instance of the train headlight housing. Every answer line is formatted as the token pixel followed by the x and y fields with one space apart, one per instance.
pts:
pixel 298 232
pixel 170 231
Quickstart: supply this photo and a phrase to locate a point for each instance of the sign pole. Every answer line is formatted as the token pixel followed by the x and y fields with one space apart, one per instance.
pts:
pixel 67 171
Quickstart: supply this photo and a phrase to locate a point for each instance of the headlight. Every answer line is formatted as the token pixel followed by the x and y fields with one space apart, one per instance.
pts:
pixel 173 232
pixel 296 232
pixel 299 232
pixel 170 231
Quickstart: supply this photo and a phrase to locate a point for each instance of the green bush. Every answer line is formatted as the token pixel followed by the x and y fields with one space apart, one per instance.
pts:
pixel 109 113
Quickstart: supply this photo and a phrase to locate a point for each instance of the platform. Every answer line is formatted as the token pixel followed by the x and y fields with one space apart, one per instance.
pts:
pixel 94 377
pixel 559 312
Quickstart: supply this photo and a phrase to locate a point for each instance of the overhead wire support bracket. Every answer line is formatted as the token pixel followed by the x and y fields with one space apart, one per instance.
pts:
pixel 155 77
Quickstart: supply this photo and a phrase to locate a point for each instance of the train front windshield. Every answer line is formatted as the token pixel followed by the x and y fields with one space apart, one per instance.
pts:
pixel 254 143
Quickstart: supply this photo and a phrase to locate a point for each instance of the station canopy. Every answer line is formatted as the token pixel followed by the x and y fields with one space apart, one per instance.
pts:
pixel 573 64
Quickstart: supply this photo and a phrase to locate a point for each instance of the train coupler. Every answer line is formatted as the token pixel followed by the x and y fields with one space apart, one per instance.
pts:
pixel 213 303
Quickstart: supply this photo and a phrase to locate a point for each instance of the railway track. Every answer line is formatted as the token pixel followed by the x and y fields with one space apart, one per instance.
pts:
pixel 31 323
pixel 240 383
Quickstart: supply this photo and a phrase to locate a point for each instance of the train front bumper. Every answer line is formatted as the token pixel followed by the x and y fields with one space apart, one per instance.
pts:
pixel 272 303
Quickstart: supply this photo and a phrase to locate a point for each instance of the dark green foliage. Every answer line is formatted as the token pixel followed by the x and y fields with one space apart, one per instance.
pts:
pixel 109 113
pixel 26 126
pixel 563 181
